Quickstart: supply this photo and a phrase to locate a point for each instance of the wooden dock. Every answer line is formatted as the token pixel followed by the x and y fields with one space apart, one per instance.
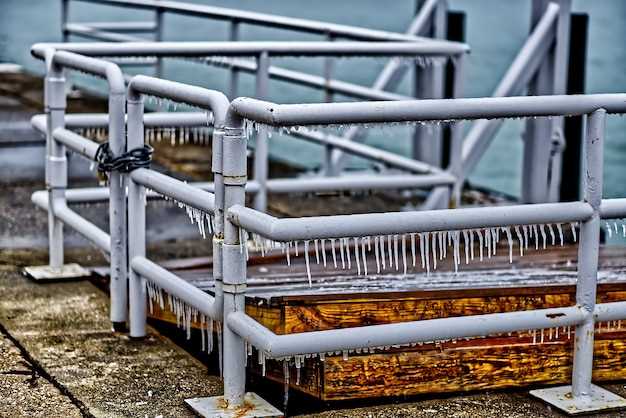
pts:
pixel 280 298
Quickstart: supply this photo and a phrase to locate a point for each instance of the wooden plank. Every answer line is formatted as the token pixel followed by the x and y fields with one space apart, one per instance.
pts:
pixel 464 369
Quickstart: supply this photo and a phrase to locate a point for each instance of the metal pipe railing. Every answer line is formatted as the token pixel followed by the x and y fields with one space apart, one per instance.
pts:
pixel 402 333
pixel 177 287
pixel 56 164
pixel 174 189
pixel 371 224
pixel 286 115
pixel 587 212
pixel 90 231
pixel 209 100
pixel 266 20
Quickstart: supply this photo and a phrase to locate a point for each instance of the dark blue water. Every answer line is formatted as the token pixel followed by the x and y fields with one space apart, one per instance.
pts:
pixel 496 30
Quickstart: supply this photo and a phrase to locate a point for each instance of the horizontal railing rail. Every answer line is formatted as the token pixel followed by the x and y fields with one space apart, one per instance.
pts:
pixel 266 20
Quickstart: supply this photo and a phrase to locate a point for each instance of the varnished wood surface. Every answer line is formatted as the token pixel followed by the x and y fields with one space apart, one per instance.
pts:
pixel 515 360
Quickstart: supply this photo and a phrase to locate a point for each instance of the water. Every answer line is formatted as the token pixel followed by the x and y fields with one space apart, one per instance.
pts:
pixel 496 29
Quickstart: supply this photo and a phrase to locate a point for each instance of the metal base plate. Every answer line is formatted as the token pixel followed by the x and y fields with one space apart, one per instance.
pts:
pixel 215 406
pixel 599 400
pixel 48 274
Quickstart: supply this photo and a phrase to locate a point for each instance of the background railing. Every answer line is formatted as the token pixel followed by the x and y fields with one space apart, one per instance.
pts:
pixel 540 66
pixel 420 174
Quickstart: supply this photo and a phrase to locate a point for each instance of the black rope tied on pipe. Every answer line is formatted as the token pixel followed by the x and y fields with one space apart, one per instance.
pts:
pixel 125 163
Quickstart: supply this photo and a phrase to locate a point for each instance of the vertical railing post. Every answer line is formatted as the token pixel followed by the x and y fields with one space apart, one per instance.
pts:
pixel 543 137
pixel 588 253
pixel 218 227
pixel 117 213
pixel 233 36
pixel 158 37
pixel 56 161
pixel 65 11
pixel 329 65
pixel 456 132
pixel 234 263
pixel 429 84
pixel 261 149
pixel 136 224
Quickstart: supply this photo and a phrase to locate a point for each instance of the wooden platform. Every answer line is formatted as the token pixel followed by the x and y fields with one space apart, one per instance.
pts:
pixel 281 299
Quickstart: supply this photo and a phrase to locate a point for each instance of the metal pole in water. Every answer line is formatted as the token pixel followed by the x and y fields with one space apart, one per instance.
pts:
pixel 56 161
pixel 136 224
pixel 261 150
pixel 588 253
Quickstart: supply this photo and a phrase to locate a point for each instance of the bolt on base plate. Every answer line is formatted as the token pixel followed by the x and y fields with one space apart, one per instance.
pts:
pixel 216 406
pixel 598 400
pixel 49 274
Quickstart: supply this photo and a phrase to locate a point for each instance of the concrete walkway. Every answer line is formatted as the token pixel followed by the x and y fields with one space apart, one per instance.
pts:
pixel 71 364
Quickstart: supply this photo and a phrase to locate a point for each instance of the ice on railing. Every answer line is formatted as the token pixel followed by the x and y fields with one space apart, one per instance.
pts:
pixel 531 336
pixel 179 136
pixel 391 252
pixel 615 228
pixel 186 316
pixel 195 135
pixel 203 220
pixel 252 127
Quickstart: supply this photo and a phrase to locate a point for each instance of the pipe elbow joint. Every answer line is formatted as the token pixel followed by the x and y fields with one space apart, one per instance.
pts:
pixel 115 78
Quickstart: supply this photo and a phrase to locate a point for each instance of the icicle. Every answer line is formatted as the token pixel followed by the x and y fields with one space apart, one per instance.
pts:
pixel 536 236
pixel 288 253
pixel 306 261
pixel 343 261
pixel 390 251
pixel 525 230
pixel 494 239
pixel 488 242
pixel 422 251
pixel 573 226
pixel 441 237
pixel 346 246
pixel 383 258
pixel 433 244
pixel 356 256
pixel 427 242
pixel 521 241
pixel 377 255
pixel 608 229
pixel 395 251
pixel 323 252
pixel 413 248
pixel 471 235
pixel 480 243
pixel 317 252
pixel 364 256
pixel 456 255
pixel 404 253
